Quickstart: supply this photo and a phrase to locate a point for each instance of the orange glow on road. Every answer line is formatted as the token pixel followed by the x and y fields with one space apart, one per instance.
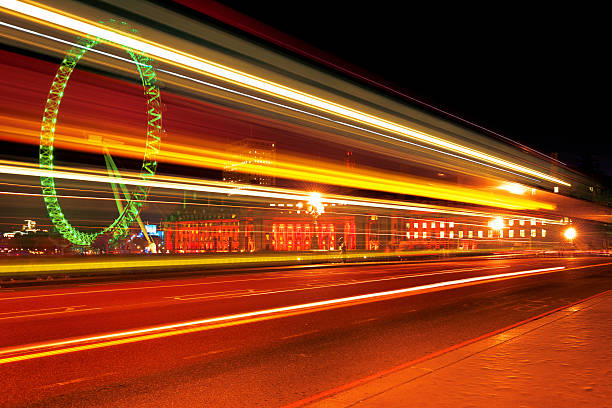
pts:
pixel 131 336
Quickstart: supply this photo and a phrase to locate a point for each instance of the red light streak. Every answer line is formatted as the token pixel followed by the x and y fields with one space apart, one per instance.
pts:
pixel 131 336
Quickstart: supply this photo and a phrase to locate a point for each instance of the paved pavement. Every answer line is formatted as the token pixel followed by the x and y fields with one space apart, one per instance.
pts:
pixel 563 359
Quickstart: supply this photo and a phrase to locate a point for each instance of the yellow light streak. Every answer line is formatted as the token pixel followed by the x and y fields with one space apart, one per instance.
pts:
pixel 65 20
pixel 288 167
pixel 131 336
pixel 175 183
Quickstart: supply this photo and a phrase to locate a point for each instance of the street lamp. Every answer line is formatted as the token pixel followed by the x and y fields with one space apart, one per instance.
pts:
pixel 570 234
pixel 315 208
pixel 497 224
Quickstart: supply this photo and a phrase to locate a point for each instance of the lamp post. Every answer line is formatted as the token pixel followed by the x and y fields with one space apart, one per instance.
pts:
pixel 315 208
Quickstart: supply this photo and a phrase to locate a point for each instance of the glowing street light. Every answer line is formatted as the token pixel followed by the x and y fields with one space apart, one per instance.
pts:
pixel 496 224
pixel 513 188
pixel 570 234
pixel 315 208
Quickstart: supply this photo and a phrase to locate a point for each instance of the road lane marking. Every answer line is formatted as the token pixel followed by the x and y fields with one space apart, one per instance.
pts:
pixel 208 353
pixel 111 339
pixel 76 380
pixel 40 310
pixel 300 334
pixel 311 286
pixel 45 312
pixel 275 277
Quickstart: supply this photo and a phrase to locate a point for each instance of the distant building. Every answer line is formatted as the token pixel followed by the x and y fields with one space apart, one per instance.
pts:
pixel 249 157
pixel 28 228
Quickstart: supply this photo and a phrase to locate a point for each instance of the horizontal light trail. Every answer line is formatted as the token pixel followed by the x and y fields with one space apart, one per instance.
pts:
pixel 132 336
pixel 272 276
pixel 244 190
pixel 266 101
pixel 182 261
pixel 288 167
pixel 251 292
pixel 261 85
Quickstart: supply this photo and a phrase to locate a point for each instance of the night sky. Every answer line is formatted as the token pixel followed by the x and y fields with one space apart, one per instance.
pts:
pixel 539 76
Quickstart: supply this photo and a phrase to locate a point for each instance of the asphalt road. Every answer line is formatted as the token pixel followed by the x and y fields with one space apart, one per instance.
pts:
pixel 263 339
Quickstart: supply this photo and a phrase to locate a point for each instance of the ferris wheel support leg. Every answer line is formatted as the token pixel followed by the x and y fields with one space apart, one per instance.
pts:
pixel 113 171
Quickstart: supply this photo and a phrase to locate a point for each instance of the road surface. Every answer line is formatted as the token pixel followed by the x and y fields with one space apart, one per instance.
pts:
pixel 267 338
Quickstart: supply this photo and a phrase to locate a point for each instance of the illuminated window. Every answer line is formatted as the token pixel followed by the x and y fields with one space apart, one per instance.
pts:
pixel 533 221
pixel 416 234
pixel 451 235
pixel 501 233
pixel 511 233
pixel 522 233
pixel 441 234
pixel 441 225
pixel 424 234
pixel 522 222
pixel 460 234
pixel 511 222
pixel 407 225
pixel 479 234
pixel 490 234
pixel 470 234
pixel 433 225
pixel 424 225
pixel 451 225
pixel 543 233
pixel 408 234
pixel 533 233
pixel 416 225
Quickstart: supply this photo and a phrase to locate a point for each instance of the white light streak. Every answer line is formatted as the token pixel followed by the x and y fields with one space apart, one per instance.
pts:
pixel 259 84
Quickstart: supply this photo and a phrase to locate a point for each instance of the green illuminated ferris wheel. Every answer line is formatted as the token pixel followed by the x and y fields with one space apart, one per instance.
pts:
pixel 134 200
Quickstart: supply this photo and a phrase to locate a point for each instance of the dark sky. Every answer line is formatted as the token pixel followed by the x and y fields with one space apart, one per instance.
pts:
pixel 537 75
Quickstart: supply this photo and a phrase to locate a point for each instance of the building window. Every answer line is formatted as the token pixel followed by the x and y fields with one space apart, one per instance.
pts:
pixel 441 225
pixel 511 233
pixel 451 225
pixel 416 225
pixel 501 233
pixel 424 234
pixel 490 234
pixel 441 234
pixel 470 234
pixel 416 234
pixel 533 221
pixel 479 234
pixel 424 225
pixel 433 225
pixel 522 233
pixel 510 222
pixel 460 234
pixel 522 222
pixel 451 235
pixel 533 233
pixel 543 233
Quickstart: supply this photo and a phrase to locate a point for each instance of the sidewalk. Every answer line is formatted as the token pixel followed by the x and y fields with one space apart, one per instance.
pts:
pixel 560 360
